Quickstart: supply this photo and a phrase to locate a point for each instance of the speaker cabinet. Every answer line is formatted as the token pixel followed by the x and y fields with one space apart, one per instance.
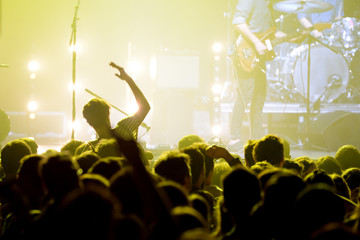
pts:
pixel 334 129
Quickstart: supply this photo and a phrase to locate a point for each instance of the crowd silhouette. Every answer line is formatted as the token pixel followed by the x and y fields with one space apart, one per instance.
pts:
pixel 112 188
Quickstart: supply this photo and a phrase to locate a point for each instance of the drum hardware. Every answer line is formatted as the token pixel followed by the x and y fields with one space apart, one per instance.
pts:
pixel 335 83
pixel 302 6
pixel 344 33
pixel 308 110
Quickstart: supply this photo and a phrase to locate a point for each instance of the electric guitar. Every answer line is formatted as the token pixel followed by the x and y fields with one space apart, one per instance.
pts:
pixel 249 57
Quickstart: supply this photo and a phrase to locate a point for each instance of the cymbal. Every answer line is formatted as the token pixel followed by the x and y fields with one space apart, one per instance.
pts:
pixel 302 6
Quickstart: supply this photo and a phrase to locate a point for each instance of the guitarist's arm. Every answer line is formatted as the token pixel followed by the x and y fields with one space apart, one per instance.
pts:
pixel 243 28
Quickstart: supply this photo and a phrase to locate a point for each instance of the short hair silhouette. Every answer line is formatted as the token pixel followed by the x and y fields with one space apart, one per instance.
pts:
pixel 329 165
pixel 71 146
pixel 86 160
pixel 59 173
pixel 11 155
pixel 269 148
pixel 341 186
pixel 188 140
pixel 238 183
pixel 31 143
pixel 319 176
pixel 106 167
pixel 173 165
pixel 308 165
pixel 197 165
pixel 96 112
pixel 248 152
pixel 176 195
pixel 293 166
pixel 348 156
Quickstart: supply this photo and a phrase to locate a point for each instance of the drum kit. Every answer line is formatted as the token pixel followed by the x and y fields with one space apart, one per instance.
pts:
pixel 333 75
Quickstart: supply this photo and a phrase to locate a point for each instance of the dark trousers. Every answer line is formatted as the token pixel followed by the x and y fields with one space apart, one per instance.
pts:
pixel 251 95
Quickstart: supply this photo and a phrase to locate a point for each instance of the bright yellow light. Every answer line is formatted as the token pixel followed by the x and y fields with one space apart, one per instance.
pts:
pixel 32 75
pixel 76 87
pixel 76 48
pixel 74 125
pixel 217 47
pixel 32 106
pixel 132 108
pixel 216 88
pixel 216 130
pixel 216 99
pixel 33 66
pixel 32 115
pixel 153 68
pixel 217 58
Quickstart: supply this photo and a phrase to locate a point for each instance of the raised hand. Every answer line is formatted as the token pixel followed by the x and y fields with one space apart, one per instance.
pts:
pixel 123 75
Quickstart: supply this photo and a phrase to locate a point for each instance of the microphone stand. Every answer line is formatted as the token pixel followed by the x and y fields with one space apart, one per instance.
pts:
pixel 308 108
pixel 73 43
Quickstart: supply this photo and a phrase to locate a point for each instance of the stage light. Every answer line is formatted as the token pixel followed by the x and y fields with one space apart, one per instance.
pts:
pixel 32 106
pixel 132 108
pixel 76 87
pixel 32 75
pixel 32 115
pixel 33 66
pixel 216 130
pixel 216 88
pixel 75 125
pixel 75 48
pixel 217 47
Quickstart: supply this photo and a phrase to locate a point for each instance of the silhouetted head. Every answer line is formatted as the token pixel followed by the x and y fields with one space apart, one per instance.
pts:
pixel 238 183
pixel 11 154
pixel 348 156
pixel 269 148
pixel 188 140
pixel 60 174
pixel 329 165
pixel 175 166
pixel 96 112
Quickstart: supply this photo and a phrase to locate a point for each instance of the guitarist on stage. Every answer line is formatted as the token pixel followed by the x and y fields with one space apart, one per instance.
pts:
pixel 251 17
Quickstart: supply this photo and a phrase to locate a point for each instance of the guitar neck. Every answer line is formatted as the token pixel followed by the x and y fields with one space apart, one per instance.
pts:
pixel 285 39
pixel 318 26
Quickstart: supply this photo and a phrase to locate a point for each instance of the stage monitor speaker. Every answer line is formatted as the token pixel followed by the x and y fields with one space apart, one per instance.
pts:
pixel 334 129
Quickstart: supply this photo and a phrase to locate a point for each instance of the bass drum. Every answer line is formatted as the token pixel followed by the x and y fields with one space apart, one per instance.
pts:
pixel 329 74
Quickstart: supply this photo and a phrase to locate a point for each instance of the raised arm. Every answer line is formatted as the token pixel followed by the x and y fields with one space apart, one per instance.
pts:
pixel 215 151
pixel 143 104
